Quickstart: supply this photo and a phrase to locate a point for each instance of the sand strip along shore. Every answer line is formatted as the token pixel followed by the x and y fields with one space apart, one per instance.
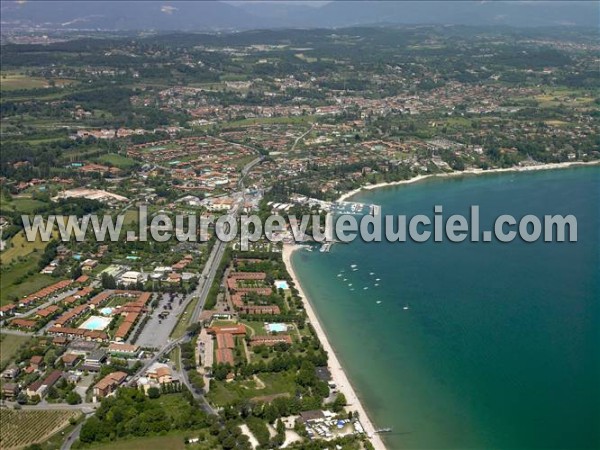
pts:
pixel 347 195
pixel 337 373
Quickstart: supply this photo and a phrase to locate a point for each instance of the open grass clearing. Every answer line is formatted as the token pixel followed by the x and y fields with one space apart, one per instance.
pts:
pixel 9 345
pixel 271 384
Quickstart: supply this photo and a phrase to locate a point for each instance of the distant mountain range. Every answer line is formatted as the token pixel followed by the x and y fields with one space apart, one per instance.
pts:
pixel 237 15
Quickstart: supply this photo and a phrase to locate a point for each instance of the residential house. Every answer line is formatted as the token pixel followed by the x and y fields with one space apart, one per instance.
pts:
pixel 108 384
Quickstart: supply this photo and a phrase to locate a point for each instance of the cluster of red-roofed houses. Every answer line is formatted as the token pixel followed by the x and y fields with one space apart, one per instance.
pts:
pixel 237 292
pixel 131 312
pixel 37 297
pixel 225 337
pixel 69 311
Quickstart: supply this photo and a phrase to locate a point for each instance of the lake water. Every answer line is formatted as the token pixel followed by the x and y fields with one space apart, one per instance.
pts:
pixel 500 345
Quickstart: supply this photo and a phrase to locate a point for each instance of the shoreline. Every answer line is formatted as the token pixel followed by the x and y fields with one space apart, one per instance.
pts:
pixel 337 372
pixel 549 166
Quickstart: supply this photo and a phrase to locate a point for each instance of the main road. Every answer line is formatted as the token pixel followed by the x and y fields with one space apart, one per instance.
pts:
pixel 206 281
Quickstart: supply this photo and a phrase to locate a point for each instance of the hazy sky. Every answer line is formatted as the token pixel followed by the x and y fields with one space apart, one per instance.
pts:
pixel 314 3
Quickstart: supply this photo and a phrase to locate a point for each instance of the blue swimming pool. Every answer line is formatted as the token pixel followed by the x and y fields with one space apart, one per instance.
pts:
pixel 276 327
pixel 95 323
pixel 281 284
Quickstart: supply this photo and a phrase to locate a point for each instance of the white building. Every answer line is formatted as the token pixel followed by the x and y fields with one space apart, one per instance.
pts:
pixel 131 277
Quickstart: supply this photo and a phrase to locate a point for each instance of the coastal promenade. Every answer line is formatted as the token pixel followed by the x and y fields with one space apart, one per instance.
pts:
pixel 337 372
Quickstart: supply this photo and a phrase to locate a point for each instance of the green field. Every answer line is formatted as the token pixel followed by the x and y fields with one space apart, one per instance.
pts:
pixel 222 393
pixel 256 328
pixel 20 247
pixel 174 441
pixel 11 82
pixel 120 161
pixel 10 287
pixel 24 205
pixel 131 217
pixel 172 404
pixel 9 344
pixel 19 265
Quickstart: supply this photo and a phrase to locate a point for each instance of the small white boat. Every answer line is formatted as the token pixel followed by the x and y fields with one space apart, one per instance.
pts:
pixel 353 265
pixel 376 284
pixel 371 273
pixel 365 288
pixel 349 284
pixel 378 302
pixel 377 279
pixel 339 274
pixel 406 307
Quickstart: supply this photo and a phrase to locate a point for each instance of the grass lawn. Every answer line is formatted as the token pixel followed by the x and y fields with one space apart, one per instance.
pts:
pixel 222 393
pixel 21 204
pixel 9 285
pixel 257 327
pixel 184 319
pixel 14 81
pixel 9 344
pixel 120 161
pixel 131 217
pixel 174 357
pixel 20 247
pixel 171 441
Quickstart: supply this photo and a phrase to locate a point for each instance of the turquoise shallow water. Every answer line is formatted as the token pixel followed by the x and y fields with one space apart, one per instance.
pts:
pixel 500 346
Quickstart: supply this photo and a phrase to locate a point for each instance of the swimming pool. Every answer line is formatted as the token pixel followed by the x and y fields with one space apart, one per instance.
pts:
pixel 276 327
pixel 106 311
pixel 281 284
pixel 95 323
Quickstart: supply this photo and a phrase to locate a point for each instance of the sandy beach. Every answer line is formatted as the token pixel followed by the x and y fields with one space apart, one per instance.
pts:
pixel 550 166
pixel 337 372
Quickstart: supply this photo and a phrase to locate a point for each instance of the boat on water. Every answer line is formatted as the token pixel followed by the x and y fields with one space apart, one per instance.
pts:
pixel 353 265
pixel 378 302
pixel 406 307
pixel 325 247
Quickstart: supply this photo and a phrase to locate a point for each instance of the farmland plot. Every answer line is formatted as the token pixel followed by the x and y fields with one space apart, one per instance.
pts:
pixel 19 429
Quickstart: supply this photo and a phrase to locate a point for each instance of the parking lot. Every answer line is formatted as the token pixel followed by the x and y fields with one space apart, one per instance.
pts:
pixel 164 318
